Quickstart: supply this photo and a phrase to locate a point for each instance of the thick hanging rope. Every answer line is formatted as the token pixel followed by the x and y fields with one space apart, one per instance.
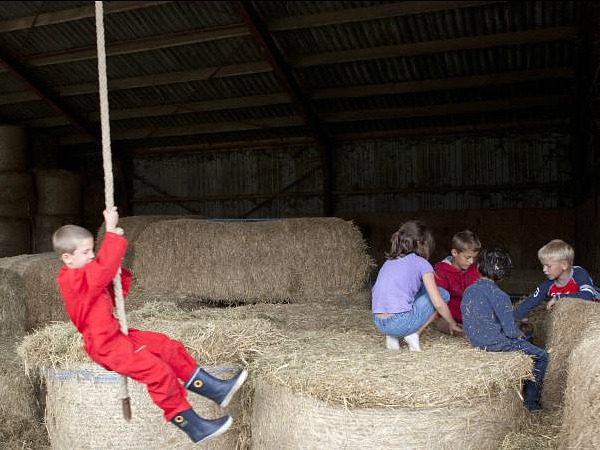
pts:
pixel 108 182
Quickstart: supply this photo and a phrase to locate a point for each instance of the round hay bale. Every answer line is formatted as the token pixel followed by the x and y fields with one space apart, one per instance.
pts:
pixel 345 390
pixel 12 313
pixel 539 431
pixel 44 228
pixel 42 302
pixel 568 320
pixel 133 227
pixel 58 192
pixel 90 394
pixel 16 195
pixel 14 236
pixel 250 262
pixel 582 394
pixel 212 336
pixel 13 148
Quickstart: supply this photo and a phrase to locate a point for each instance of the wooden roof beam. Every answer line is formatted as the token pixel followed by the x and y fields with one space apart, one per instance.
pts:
pixel 440 46
pixel 71 15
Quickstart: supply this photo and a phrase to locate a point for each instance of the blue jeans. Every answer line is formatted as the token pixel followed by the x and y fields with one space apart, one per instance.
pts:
pixel 409 322
pixel 531 389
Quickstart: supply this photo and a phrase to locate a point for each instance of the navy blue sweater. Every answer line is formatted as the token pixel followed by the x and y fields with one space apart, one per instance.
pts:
pixel 487 315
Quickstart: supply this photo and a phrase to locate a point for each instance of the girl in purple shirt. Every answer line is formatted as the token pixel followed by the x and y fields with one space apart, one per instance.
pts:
pixel 405 296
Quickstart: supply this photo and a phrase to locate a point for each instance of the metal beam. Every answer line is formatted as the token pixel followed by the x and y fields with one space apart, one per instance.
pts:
pixel 263 40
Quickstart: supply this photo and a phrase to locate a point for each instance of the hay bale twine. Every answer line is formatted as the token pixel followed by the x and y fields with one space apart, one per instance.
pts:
pixel 16 195
pixel 568 320
pixel 345 390
pixel 91 394
pixel 58 192
pixel 79 411
pixel 13 148
pixel 251 262
pixel 44 228
pixel 582 395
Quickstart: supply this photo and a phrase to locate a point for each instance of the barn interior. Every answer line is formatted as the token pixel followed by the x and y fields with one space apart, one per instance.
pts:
pixel 479 115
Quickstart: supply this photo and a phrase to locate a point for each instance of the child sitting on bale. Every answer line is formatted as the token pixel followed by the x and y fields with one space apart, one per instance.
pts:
pixel 146 357
pixel 405 296
pixel 489 323
pixel 457 272
pixel 564 279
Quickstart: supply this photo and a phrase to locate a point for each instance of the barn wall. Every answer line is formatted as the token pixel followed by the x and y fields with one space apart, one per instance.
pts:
pixel 511 189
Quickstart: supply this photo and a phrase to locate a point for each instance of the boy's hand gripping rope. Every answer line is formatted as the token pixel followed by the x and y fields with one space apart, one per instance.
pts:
pixel 108 182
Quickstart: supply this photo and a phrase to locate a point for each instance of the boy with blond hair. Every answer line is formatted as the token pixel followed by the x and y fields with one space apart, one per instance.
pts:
pixel 457 272
pixel 162 364
pixel 564 279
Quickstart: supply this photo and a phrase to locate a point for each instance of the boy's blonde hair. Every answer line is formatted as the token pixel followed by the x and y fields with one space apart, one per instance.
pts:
pixel 557 250
pixel 466 240
pixel 68 237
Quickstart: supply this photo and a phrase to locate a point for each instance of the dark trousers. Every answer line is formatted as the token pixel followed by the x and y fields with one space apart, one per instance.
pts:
pixel 531 389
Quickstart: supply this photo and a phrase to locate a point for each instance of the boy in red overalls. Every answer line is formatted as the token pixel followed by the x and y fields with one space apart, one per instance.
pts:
pixel 146 357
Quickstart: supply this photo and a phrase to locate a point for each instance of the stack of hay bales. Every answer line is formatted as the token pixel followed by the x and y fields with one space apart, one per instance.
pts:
pixel 58 203
pixel 569 321
pixel 79 391
pixel 42 303
pixel 249 262
pixel 582 394
pixel 19 409
pixel 16 192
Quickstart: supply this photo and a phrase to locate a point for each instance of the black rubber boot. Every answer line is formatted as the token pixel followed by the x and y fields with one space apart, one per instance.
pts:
pixel 219 391
pixel 199 429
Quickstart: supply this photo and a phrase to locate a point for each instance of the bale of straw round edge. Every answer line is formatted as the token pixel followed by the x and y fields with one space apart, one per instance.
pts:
pixel 12 313
pixel 14 236
pixel 345 390
pixel 581 412
pixel 252 262
pixel 16 195
pixel 44 228
pixel 13 148
pixel 58 192
pixel 568 320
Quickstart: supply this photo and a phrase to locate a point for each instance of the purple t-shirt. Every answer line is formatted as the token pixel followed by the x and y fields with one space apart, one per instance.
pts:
pixel 398 282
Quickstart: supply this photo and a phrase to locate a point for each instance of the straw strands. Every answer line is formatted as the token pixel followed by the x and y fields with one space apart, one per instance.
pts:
pixel 568 320
pixel 336 390
pixel 539 431
pixel 250 262
pixel 582 394
pixel 12 313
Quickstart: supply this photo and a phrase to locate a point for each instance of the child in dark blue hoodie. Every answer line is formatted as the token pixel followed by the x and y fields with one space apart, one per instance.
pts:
pixel 489 324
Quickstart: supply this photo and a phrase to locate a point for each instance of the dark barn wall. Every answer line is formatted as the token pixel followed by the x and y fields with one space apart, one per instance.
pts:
pixel 512 189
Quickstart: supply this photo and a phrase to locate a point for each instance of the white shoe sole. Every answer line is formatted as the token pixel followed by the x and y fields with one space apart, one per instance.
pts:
pixel 238 384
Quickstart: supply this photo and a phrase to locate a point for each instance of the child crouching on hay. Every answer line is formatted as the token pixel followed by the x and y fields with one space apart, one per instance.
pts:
pixel 146 357
pixel 405 296
pixel 489 323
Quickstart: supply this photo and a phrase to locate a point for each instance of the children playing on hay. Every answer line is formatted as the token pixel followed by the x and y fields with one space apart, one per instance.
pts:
pixel 405 297
pixel 489 323
pixel 457 272
pixel 147 357
pixel 564 279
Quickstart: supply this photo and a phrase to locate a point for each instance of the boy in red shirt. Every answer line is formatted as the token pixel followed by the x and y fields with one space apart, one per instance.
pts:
pixel 457 272
pixel 146 357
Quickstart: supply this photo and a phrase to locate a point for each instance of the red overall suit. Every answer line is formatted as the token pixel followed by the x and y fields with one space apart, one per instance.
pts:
pixel 144 356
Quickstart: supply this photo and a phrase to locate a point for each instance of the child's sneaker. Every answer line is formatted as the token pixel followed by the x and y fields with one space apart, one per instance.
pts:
pixel 413 342
pixel 392 342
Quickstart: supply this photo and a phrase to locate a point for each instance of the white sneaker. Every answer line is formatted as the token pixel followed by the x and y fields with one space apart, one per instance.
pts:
pixel 392 342
pixel 413 342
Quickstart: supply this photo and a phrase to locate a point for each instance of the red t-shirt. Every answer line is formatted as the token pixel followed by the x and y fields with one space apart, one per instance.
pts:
pixel 455 281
